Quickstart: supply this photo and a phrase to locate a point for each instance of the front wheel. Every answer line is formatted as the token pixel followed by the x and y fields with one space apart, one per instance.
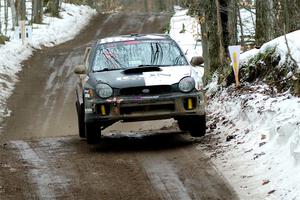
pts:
pixel 92 132
pixel 183 124
pixel 80 115
pixel 197 126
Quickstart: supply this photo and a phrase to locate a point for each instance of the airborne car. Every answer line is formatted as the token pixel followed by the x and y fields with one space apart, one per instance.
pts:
pixel 138 77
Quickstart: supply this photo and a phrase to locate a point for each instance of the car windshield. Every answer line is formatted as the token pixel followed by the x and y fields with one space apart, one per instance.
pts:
pixel 132 54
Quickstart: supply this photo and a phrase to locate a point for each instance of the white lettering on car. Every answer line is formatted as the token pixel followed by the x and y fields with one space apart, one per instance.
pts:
pixel 168 75
pixel 127 78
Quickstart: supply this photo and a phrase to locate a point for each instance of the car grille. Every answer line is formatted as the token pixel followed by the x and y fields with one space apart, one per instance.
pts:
pixel 147 109
pixel 146 90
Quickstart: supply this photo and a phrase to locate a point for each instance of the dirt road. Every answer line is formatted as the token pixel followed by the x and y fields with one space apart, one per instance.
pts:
pixel 42 158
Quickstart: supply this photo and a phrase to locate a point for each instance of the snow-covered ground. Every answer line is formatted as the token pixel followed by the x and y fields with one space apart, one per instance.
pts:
pixel 52 32
pixel 253 134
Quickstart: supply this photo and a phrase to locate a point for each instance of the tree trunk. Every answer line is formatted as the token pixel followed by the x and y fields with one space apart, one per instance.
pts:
pixel 218 19
pixel 291 15
pixel 5 16
pixel 233 11
pixel 13 13
pixel 37 11
pixel 264 21
pixel 212 41
pixel 0 20
pixel 53 7
pixel 241 27
pixel 21 9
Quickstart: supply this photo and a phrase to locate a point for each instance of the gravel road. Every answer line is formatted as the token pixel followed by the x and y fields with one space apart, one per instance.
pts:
pixel 42 157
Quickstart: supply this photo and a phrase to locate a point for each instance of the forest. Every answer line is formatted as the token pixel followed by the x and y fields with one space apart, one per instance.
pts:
pixel 221 25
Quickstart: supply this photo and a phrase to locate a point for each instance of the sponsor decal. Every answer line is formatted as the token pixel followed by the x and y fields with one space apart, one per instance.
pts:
pixel 88 110
pixel 150 97
pixel 146 91
pixel 115 103
pixel 128 78
pixel 115 39
pixel 141 98
pixel 169 75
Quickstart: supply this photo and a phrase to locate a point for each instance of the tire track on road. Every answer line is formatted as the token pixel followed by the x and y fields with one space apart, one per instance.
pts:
pixel 45 178
pixel 165 179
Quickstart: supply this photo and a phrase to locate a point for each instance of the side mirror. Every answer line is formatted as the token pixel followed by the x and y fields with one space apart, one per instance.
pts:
pixel 197 61
pixel 80 69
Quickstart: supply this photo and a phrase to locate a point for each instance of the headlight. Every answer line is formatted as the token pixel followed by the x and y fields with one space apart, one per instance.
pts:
pixel 104 91
pixel 187 84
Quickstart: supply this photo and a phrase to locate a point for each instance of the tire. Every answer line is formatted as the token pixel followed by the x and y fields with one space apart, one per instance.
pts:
pixel 197 126
pixel 92 132
pixel 183 124
pixel 80 116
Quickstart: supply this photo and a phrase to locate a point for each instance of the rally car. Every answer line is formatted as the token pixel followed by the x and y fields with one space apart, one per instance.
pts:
pixel 138 77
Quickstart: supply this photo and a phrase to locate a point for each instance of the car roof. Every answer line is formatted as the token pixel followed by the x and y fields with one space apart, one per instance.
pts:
pixel 132 37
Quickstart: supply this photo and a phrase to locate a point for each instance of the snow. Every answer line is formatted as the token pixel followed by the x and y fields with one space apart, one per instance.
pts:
pixel 265 144
pixel 185 30
pixel 282 47
pixel 283 44
pixel 253 135
pixel 246 56
pixel 52 32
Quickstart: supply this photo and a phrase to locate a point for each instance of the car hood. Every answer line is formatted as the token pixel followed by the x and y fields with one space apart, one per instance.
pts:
pixel 121 79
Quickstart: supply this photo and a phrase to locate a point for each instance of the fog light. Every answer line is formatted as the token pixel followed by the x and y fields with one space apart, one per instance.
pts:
pixel 190 104
pixel 103 110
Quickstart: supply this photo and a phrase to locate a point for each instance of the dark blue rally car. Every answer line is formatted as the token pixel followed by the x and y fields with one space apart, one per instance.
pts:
pixel 138 77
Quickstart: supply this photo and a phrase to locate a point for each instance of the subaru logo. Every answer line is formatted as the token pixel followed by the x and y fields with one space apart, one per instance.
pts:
pixel 146 91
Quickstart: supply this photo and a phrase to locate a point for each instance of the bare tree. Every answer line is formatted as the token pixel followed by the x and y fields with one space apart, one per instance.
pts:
pixel 211 28
pixel 5 16
pixel 0 18
pixel 218 20
pixel 53 7
pixel 13 13
pixel 37 11
pixel 264 21
pixel 275 18
pixel 21 9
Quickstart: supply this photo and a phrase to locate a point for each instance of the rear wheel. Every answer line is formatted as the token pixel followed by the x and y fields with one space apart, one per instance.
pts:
pixel 80 115
pixel 92 132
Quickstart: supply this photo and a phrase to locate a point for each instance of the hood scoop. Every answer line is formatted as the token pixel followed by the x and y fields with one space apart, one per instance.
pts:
pixel 140 70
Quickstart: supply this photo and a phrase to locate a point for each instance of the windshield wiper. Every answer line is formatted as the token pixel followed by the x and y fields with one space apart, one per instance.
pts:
pixel 108 69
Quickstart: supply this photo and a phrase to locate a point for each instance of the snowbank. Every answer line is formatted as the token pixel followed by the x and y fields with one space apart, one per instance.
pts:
pixel 253 134
pixel 282 43
pixel 258 142
pixel 53 32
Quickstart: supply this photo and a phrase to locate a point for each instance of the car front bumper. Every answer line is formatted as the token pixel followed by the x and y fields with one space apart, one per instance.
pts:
pixel 139 108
